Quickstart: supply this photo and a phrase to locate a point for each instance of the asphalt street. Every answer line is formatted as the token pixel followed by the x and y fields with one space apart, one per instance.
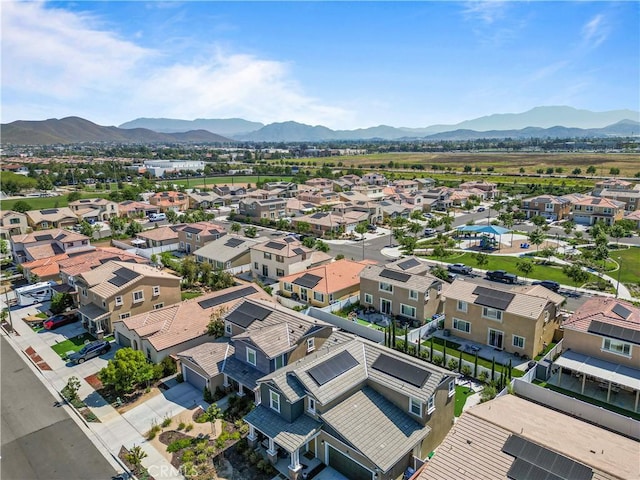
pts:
pixel 38 439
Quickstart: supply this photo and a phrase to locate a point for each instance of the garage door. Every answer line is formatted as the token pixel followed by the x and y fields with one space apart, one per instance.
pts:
pixel 193 378
pixel 124 340
pixel 347 467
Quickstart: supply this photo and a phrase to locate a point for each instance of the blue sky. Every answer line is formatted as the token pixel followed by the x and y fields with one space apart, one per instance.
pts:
pixel 339 64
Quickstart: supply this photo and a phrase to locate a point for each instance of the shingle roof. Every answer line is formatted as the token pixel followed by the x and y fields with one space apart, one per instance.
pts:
pixel 210 356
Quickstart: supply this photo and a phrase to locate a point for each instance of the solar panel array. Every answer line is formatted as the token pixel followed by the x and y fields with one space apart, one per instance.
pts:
pixel 536 461
pixel 40 238
pixel 191 230
pixel 319 215
pixel 332 368
pixel 233 242
pixel 393 275
pixel 49 211
pixel 298 251
pixel 227 297
pixel 289 239
pixel 614 331
pixel 275 245
pixel 307 280
pixel 406 372
pixel 412 262
pixel 621 311
pixel 123 276
pixel 488 297
pixel 247 313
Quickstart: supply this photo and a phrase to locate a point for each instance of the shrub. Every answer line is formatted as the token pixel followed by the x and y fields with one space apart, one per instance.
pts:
pixel 437 359
pixel 181 426
pixel 483 376
pixel 466 370
pixel 188 456
pixel 206 395
pixel 158 371
pixel 166 422
pixel 151 435
pixel 488 392
pixel 453 364
pixel 189 427
pixel 202 458
pixel 180 378
pixel 169 366
pixel 179 445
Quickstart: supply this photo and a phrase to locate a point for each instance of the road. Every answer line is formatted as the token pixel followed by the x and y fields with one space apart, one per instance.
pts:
pixel 39 440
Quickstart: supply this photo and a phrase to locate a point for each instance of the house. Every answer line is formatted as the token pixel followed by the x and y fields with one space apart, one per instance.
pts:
pixel 12 223
pixel 488 190
pixel 630 196
pixel 365 410
pixel 277 258
pixel 601 346
pixel 51 218
pixel 229 253
pixel 183 325
pixel 37 245
pixel 271 209
pixel 282 189
pixel 589 210
pixel 374 179
pixel 548 206
pixel 170 200
pixel 372 209
pixel 118 290
pixel 323 223
pixel 230 193
pixel 204 200
pixel 94 209
pixel 297 207
pixel 134 209
pixel 157 237
pixel 192 236
pixel 518 320
pixel 393 290
pixel 319 197
pixel 511 437
pixel 634 217
pixel 395 210
pixel 322 184
pixel 405 186
pixel 372 192
pixel 323 285
pixel 612 184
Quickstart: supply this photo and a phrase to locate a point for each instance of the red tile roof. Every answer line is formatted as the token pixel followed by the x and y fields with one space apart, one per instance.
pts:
pixel 601 309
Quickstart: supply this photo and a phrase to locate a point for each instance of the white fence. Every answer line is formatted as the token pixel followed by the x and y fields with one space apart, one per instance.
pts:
pixel 145 252
pixel 369 333
pixel 339 305
pixel 424 330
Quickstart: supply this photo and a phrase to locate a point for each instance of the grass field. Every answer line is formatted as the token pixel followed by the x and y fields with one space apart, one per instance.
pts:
pixel 462 393
pixel 630 265
pixel 38 203
pixel 228 180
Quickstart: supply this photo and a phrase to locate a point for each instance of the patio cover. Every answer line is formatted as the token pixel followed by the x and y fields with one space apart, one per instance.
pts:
pixel 493 229
pixel 611 372
pixel 289 436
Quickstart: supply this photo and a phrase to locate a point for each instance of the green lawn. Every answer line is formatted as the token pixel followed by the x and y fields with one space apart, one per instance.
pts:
pixel 630 261
pixel 367 324
pixel 546 350
pixel 190 295
pixel 37 203
pixel 72 344
pixel 462 393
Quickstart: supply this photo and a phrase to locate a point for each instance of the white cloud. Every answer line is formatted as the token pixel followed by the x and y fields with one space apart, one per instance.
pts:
pixel 488 11
pixel 595 31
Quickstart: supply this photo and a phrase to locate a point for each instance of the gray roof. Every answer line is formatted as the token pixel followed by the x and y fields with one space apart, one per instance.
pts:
pixel 242 372
pixel 419 283
pixel 289 436
pixel 361 420
pixel 92 311
pixel 209 357
pixel 218 250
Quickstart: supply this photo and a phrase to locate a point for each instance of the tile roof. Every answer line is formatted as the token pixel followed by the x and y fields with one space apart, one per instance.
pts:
pixel 286 250
pixel 635 215
pixel 59 234
pixel 601 310
pixel 43 251
pixel 159 234
pixel 226 249
pixel 334 276
pixel 360 420
pixel 210 356
pixel 289 436
pixel 85 261
pixel 599 202
pixel 51 214
pixel 414 282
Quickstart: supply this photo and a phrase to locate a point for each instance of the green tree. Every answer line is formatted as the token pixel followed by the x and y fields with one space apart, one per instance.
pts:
pixel 361 229
pixel 70 390
pixel 536 237
pixel 408 244
pixel 189 270
pixel 568 227
pixel 322 246
pixel 251 231
pixel 215 327
pixel 21 206
pixel 481 259
pixel 414 228
pixel 205 271
pixel 135 456
pixel 591 170
pixel 86 229
pixel 439 272
pixel 236 227
pixel 309 242
pixel 538 220
pixel 133 228
pixel 614 171
pixel 60 301
pixel 577 171
pixel 74 196
pixel 303 227
pixel 617 231
pixel 172 216
pixel 4 246
pixel 128 369
pixel 547 253
pixel 576 274
pixel 447 221
pixel 525 266
pixel 116 224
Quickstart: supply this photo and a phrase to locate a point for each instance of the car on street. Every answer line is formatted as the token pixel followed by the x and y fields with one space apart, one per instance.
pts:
pixel 460 268
pixel 372 228
pixel 90 350
pixel 429 232
pixel 481 209
pixel 502 276
pixel 550 284
pixel 59 320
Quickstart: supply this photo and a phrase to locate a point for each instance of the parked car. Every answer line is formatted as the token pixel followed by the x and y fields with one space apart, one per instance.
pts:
pixel 59 320
pixel 90 350
pixel 481 209
pixel 157 217
pixel 372 228
pixel 460 268
pixel 502 276
pixel 429 232
pixel 550 284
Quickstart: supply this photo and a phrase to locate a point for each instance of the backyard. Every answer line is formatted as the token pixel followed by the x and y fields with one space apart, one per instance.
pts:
pixel 462 394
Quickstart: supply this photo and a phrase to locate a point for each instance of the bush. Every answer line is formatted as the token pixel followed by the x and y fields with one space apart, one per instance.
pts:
pixel 188 456
pixel 179 445
pixel 466 370
pixel 206 395
pixel 453 364
pixel 483 376
pixel 189 427
pixel 437 359
pixel 166 422
pixel 181 426
pixel 169 366
pixel 180 378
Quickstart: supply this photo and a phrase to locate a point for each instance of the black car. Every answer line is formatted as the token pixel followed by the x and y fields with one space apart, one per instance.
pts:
pixel 90 350
pixel 502 276
pixel 550 284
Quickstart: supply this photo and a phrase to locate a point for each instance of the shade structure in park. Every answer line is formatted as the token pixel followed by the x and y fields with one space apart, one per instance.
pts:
pixel 492 229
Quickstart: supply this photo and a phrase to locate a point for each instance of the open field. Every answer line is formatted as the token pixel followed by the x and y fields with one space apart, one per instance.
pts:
pixel 38 203
pixel 228 180
pixel 630 264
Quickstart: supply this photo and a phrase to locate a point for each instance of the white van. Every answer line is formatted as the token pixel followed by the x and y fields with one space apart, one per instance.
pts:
pixel 34 293
pixel 156 217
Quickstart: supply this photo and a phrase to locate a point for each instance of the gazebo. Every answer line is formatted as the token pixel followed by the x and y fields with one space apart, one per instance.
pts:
pixel 486 229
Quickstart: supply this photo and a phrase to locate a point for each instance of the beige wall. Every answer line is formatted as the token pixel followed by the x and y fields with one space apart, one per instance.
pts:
pixel 591 344
pixel 344 293
pixel 301 350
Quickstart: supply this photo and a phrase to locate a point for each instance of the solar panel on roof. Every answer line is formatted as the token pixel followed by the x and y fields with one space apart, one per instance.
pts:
pixel 614 331
pixel 406 372
pixel 307 280
pixel 192 230
pixel 49 211
pixel 126 273
pixel 621 311
pixel 318 215
pixel 488 297
pixel 247 313
pixel 298 251
pixel 275 245
pixel 553 465
pixel 40 238
pixel 227 297
pixel 289 239
pixel 332 368
pixel 412 262
pixel 118 281
pixel 392 274
pixel 233 242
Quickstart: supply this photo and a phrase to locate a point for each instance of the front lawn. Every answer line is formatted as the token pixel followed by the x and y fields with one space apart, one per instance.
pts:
pixel 72 344
pixel 462 393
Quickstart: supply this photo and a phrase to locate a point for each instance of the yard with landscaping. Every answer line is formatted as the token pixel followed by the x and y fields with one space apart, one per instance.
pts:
pixel 462 394
pixel 74 344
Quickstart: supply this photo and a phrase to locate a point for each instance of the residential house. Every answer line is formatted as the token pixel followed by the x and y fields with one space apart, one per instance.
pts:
pixel 395 210
pixel 518 320
pixel 323 223
pixel 394 291
pixel 37 245
pixel 353 196
pixel 512 437
pixel 489 190
pixel 135 209
pixel 271 209
pixel 204 200
pixel 323 285
pixel 282 189
pixel 230 253
pixel 366 411
pixel 373 192
pixel 374 179
pixel 277 258
pixel 612 184
pixel 373 210
pixel 119 290
pixel 630 195
pixel 192 236
pixel 548 206
pixel 157 237
pixel 319 197
pixel 425 183
pixel 170 200
pixel 297 207
pixel 634 217
pixel 174 328
pixel 405 186
pixel 601 346
pixel 94 209
pixel 589 210
pixel 12 223
pixel 322 184
pixel 230 193
pixel 51 218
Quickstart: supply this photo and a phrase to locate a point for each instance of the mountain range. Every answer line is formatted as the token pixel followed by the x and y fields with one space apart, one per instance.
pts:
pixel 539 122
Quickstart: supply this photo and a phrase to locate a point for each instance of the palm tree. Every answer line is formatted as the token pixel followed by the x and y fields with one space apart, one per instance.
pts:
pixel 415 228
pixel 536 237
pixel 236 227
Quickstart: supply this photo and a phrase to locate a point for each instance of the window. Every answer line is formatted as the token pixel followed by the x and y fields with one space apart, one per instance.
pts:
pixel 319 297
pixel 287 287
pixel 368 298
pixel 616 346
pixel 267 256
pixel 415 406
pixel 518 341
pixel 431 404
pixel 407 310
pixel 274 400
pixel 386 287
pixel 189 235
pixel 138 296
pixel 124 315
pixel 462 306
pixel 84 292
pixel 279 362
pixel 279 272
pixel 227 328
pixel 492 313
pixel 413 295
pixel 158 305
pixel 461 325
pixel 156 291
pixel 14 221
pixel 256 266
pixel 312 405
pixel 311 344
pixel 251 356
pixel 279 259
pixel 452 388
pixel 104 304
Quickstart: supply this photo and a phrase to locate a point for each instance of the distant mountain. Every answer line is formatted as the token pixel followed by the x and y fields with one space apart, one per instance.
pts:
pixel 79 130
pixel 223 126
